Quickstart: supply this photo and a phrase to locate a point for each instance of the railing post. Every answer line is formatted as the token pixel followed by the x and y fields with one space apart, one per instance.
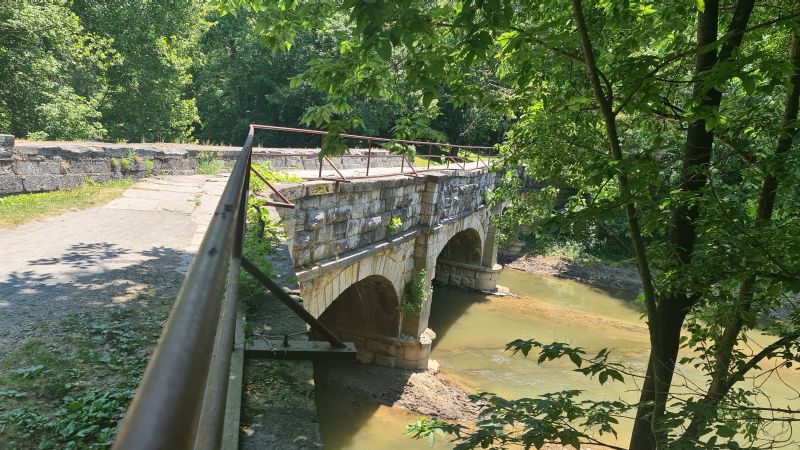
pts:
pixel 429 155
pixel 369 153
pixel 319 157
pixel 402 164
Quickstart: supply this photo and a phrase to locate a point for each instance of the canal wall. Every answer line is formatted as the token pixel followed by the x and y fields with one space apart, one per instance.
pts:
pixel 29 166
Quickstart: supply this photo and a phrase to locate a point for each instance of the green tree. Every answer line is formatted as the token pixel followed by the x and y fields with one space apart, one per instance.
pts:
pixel 147 95
pixel 680 118
pixel 51 71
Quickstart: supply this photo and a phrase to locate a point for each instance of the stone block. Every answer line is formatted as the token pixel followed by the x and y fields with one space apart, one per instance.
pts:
pixel 90 166
pixel 328 201
pixel 372 223
pixel 39 183
pixel 404 201
pixel 324 234
pixel 341 246
pixel 71 181
pixel 385 361
pixel 320 252
pixel 353 227
pixel 319 188
pixel 365 356
pixel 387 193
pixel 339 215
pixel 302 257
pixel 10 184
pixel 315 220
pixel 339 230
pixel 37 167
pixel 302 240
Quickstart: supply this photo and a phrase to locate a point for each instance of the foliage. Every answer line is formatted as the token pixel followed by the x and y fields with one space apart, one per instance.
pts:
pixel 18 209
pixel 156 43
pixel 395 224
pixel 71 392
pixel 670 126
pixel 51 71
pixel 418 291
pixel 209 163
pixel 262 232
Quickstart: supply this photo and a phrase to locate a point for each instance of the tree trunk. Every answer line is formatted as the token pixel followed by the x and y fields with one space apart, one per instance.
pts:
pixel 673 307
pixel 721 381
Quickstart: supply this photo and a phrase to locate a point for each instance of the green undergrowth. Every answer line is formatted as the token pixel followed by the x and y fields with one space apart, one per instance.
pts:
pixel 262 232
pixel 423 162
pixel 70 389
pixel 271 175
pixel 209 163
pixel 579 252
pixel 18 209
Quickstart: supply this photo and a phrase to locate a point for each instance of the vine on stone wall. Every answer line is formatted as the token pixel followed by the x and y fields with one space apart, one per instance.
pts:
pixel 417 293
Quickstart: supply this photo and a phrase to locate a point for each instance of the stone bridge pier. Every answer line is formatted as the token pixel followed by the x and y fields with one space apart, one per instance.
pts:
pixel 355 272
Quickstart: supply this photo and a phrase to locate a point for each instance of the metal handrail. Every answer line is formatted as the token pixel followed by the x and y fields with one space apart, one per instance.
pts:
pixel 166 410
pixel 461 161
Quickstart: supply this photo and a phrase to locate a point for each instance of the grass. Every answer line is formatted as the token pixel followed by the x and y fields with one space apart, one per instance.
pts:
pixel 208 163
pixel 70 389
pixel 423 162
pixel 18 209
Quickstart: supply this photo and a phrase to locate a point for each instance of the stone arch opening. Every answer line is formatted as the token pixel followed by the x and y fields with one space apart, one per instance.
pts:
pixel 460 263
pixel 367 307
pixel 464 247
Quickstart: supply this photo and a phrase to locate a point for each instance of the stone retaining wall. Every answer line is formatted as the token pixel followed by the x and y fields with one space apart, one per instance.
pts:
pixel 46 166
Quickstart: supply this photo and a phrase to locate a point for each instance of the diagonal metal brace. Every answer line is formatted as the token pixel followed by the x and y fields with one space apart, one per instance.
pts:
pixel 287 300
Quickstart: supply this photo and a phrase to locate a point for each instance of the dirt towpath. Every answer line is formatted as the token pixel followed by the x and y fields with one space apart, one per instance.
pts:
pixel 102 256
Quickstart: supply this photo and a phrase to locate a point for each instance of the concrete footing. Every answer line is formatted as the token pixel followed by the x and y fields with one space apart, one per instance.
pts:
pixel 405 352
pixel 469 276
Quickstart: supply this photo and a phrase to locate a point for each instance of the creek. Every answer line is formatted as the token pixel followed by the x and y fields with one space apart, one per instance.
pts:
pixel 472 330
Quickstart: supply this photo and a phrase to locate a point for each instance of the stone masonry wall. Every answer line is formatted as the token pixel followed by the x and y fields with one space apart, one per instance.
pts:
pixel 332 218
pixel 46 166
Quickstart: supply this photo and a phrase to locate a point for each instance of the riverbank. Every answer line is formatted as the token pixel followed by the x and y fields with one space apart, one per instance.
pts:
pixel 624 278
pixel 424 392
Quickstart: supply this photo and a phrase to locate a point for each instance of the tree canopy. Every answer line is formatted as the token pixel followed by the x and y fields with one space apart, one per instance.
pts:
pixel 174 71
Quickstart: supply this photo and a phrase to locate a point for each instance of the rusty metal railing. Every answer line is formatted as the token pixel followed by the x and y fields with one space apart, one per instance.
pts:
pixel 180 403
pixel 461 162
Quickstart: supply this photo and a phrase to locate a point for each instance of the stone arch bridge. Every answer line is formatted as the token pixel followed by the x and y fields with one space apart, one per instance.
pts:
pixel 354 274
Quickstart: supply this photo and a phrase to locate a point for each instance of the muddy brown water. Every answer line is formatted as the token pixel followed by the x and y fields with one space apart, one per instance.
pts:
pixel 472 331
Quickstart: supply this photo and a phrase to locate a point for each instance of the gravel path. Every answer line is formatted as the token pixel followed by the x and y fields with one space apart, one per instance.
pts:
pixel 102 256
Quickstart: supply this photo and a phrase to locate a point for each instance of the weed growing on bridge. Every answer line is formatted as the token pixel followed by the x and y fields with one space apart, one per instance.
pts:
pixel 272 175
pixel 417 292
pixel 209 163
pixel 394 225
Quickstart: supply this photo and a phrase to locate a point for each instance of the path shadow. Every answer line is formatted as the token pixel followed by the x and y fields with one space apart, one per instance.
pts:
pixel 83 255
pixel 87 276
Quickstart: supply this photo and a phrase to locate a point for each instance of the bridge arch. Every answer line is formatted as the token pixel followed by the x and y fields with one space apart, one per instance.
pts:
pixel 473 223
pixel 465 247
pixel 369 306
